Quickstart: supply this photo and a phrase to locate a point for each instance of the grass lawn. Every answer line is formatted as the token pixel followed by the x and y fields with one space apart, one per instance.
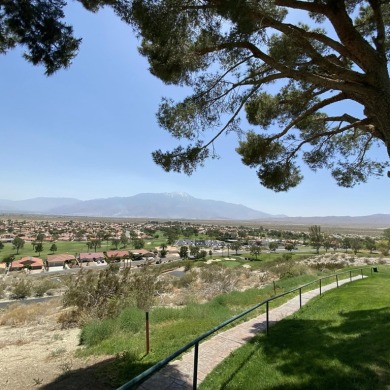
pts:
pixel 338 341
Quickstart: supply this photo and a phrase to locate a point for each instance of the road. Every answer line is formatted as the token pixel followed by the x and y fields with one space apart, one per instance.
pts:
pixel 4 304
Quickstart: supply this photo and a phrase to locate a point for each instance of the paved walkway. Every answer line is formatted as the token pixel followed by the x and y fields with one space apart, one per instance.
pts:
pixel 178 374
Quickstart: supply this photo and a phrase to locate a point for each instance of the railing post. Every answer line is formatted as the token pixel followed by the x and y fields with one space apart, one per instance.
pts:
pixel 300 297
pixel 267 316
pixel 337 281
pixel 147 331
pixel 195 376
pixel 320 286
pixel 350 276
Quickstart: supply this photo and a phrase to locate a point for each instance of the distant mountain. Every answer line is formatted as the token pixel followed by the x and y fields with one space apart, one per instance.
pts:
pixel 373 220
pixel 163 205
pixel 147 205
pixel 176 205
pixel 35 205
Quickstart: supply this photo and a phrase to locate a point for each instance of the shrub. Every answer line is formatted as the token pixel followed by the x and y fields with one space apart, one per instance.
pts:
pixel 21 290
pixel 43 287
pixel 186 280
pixel 69 319
pixel 290 270
pixel 219 280
pixel 104 294
pixel 98 294
pixel 97 331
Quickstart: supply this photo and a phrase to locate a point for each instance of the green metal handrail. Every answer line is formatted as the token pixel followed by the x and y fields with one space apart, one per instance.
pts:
pixel 141 377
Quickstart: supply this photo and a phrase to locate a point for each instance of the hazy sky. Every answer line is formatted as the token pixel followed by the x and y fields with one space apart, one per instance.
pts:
pixel 88 132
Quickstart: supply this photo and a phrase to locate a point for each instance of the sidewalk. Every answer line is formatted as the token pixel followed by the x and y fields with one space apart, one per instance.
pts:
pixel 178 374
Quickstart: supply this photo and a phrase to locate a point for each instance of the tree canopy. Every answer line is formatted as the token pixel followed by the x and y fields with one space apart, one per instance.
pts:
pixel 289 65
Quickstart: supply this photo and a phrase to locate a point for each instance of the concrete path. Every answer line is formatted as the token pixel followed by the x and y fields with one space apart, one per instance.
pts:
pixel 178 374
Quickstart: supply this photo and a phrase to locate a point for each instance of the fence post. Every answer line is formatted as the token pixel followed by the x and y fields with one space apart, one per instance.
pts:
pixel 267 317
pixel 361 271
pixel 337 281
pixel 300 297
pixel 195 376
pixel 350 276
pixel 320 286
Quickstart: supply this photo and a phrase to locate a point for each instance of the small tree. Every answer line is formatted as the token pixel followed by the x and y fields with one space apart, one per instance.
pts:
pixel 115 242
pixel 327 242
pixel 172 236
pixel 53 248
pixel 222 247
pixel 236 246
pixel 194 251
pixel 273 245
pixel 40 237
pixel 289 246
pixel 336 244
pixel 106 237
pixel 255 250
pixel 124 240
pixel 138 243
pixel 346 243
pixel 96 243
pixel 18 243
pixel 386 234
pixel 356 244
pixel 383 247
pixel 39 248
pixel 9 259
pixel 183 253
pixel 370 244
pixel 144 289
pixel 316 238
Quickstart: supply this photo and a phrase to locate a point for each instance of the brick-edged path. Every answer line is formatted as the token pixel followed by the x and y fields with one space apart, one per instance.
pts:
pixel 178 374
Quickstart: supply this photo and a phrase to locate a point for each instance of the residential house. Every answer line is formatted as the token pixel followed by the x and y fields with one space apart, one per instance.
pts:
pixel 117 255
pixel 33 263
pixel 138 253
pixel 94 256
pixel 59 260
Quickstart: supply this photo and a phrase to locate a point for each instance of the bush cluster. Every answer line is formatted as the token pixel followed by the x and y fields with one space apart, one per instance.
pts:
pixel 21 289
pixel 104 294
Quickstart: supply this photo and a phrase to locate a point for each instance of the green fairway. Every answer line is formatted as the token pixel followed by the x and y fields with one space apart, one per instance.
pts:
pixel 338 341
pixel 71 247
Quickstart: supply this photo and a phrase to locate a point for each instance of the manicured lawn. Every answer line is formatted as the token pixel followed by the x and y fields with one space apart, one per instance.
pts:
pixel 338 341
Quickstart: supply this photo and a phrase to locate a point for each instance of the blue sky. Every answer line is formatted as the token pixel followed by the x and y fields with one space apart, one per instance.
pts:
pixel 88 132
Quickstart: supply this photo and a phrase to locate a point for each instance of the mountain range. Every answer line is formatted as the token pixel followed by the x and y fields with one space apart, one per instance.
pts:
pixel 146 205
pixel 170 206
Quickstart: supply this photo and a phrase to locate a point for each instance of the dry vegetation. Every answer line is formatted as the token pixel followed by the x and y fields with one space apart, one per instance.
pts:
pixel 35 351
